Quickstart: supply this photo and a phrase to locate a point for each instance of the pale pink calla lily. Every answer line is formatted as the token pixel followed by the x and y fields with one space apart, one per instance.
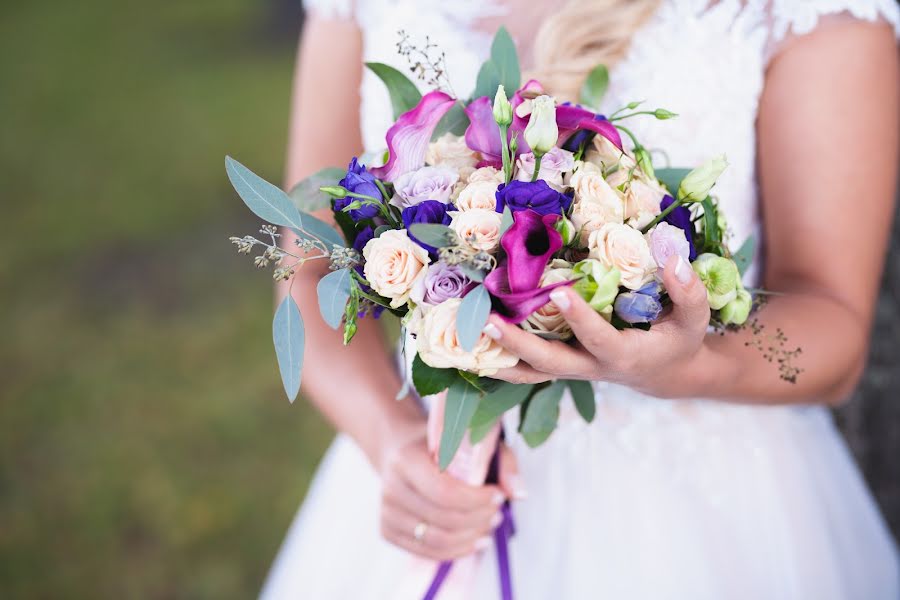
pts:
pixel 408 138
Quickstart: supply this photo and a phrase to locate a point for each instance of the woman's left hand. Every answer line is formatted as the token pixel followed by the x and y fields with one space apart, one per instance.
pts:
pixel 661 362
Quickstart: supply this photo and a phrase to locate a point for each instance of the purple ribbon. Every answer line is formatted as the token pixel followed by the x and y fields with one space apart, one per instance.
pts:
pixel 504 531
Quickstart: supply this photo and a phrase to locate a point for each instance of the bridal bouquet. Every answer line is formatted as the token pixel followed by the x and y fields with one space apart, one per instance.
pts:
pixel 488 204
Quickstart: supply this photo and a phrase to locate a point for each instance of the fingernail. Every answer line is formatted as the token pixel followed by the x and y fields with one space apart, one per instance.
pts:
pixel 682 270
pixel 482 543
pixel 518 487
pixel 496 520
pixel 560 299
pixel 498 498
pixel 492 331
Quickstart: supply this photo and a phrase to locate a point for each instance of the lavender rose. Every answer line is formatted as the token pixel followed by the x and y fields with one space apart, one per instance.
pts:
pixel 532 195
pixel 680 218
pixel 427 183
pixel 666 241
pixel 553 164
pixel 441 283
pixel 359 181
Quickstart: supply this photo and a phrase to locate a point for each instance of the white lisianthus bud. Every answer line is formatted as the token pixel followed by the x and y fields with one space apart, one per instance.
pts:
pixel 567 230
pixel 542 133
pixel 696 185
pixel 720 277
pixel 737 311
pixel 502 107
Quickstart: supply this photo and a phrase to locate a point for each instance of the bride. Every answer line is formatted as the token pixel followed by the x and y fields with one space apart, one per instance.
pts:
pixel 704 475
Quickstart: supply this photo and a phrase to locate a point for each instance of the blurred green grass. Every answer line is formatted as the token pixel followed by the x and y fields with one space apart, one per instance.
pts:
pixel 146 449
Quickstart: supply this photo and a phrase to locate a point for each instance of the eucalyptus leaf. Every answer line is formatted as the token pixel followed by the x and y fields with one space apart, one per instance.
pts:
pixel 711 233
pixel 313 227
pixel 267 201
pixel 288 336
pixel 479 431
pixel 306 194
pixel 504 398
pixel 433 234
pixel 334 291
pixel 472 316
pixel 506 61
pixel 583 398
pixel 506 221
pixel 487 81
pixel 429 380
pixel 594 87
pixel 381 229
pixel 471 272
pixel 542 414
pixel 403 92
pixel 671 178
pixel 459 406
pixel 744 256
pixel 455 121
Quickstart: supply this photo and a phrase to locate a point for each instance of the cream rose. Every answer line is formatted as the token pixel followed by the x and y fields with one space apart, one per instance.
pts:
pixel 394 263
pixel 642 196
pixel 450 151
pixel 479 227
pixel 478 194
pixel 548 319
pixel 486 174
pixel 438 344
pixel 596 202
pixel 604 154
pixel 624 248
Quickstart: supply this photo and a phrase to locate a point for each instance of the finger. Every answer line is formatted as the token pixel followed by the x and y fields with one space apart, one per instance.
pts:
pixel 436 543
pixel 510 480
pixel 444 490
pixel 598 337
pixel 550 356
pixel 522 373
pixel 400 494
pixel 690 307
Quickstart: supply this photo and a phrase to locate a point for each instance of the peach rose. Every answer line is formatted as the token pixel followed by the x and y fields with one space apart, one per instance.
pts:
pixel 624 248
pixel 394 263
pixel 642 196
pixel 486 174
pixel 477 194
pixel 438 345
pixel 606 155
pixel 450 151
pixel 596 202
pixel 479 227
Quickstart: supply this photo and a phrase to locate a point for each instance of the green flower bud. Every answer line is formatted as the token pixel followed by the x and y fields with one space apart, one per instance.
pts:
pixel 335 191
pixel 566 229
pixel 737 311
pixel 598 285
pixel 502 107
pixel 696 185
pixel 644 161
pixel 720 277
pixel 542 132
pixel 663 114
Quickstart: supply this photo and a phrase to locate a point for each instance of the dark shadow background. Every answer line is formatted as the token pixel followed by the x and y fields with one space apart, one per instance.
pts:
pixel 146 449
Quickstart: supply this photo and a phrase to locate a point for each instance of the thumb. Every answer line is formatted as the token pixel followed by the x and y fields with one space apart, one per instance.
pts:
pixel 510 480
pixel 690 306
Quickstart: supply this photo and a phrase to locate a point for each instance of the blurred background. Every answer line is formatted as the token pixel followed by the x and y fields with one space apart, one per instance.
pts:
pixel 146 448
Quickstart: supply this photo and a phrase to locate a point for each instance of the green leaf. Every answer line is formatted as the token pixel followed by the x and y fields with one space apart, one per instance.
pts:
pixel 671 178
pixel 459 406
pixel 506 221
pixel 306 194
pixel 506 61
pixel 744 256
pixel 403 92
pixel 288 336
pixel 711 233
pixel 455 121
pixel 487 81
pixel 429 380
pixel 381 229
pixel 334 291
pixel 583 398
pixel 433 234
pixel 493 405
pixel 471 272
pixel 320 230
pixel 594 87
pixel 472 316
pixel 542 414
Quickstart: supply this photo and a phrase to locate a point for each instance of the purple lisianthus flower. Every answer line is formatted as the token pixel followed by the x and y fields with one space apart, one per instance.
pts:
pixel 359 181
pixel 681 218
pixel 634 307
pixel 537 196
pixel 429 211
pixel 441 282
pixel 529 244
pixel 362 238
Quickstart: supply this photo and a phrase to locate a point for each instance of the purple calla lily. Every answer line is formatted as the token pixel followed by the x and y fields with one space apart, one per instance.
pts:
pixel 483 133
pixel 570 118
pixel 515 307
pixel 408 138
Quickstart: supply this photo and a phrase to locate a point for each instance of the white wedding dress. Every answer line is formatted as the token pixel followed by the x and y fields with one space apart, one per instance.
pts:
pixel 656 499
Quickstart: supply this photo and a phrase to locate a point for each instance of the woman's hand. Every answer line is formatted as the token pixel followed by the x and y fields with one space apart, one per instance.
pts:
pixel 433 514
pixel 662 362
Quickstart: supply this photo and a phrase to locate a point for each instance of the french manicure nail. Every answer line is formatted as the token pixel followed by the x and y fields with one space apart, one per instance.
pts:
pixel 496 520
pixel 682 270
pixel 560 299
pixel 518 487
pixel 482 543
pixel 498 498
pixel 492 331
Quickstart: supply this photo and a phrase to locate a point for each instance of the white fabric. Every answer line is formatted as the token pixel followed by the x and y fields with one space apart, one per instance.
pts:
pixel 656 499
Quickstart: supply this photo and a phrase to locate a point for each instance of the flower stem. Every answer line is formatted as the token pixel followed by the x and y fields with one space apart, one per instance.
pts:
pixel 662 215
pixel 504 146
pixel 537 166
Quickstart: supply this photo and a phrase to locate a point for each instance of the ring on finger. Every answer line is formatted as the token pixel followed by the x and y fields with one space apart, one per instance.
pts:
pixel 419 531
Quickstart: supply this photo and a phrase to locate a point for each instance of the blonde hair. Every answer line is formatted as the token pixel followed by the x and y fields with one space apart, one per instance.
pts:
pixel 584 34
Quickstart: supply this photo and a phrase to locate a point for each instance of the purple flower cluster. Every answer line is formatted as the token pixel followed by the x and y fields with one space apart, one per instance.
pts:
pixel 532 195
pixel 359 181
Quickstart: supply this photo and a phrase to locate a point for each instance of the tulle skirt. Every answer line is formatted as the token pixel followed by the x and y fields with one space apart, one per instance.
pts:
pixel 655 499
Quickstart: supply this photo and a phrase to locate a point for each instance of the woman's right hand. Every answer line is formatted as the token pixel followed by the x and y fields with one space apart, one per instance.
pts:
pixel 452 518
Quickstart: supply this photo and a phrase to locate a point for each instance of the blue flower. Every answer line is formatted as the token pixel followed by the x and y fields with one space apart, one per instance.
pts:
pixel 633 307
pixel 532 195
pixel 359 181
pixel 429 211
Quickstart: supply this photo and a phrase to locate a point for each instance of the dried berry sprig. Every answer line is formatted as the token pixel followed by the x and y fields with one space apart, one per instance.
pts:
pixel 427 63
pixel 273 255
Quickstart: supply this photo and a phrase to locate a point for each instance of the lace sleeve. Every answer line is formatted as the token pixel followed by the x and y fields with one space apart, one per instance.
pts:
pixel 798 17
pixel 331 9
